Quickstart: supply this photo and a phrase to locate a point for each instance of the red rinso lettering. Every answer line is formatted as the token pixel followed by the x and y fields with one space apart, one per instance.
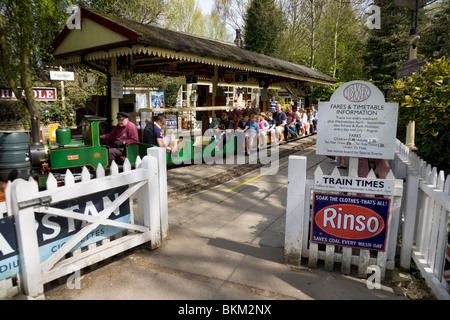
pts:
pixel 349 221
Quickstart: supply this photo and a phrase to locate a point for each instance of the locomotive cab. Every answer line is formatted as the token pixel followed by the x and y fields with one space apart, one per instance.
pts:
pixel 85 153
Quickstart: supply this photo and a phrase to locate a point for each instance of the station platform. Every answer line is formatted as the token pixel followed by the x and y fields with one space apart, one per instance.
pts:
pixel 225 243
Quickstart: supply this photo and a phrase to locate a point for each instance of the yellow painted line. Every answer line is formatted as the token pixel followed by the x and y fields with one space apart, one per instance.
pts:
pixel 259 176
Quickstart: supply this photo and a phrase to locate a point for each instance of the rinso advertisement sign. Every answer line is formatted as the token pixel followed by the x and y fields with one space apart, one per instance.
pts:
pixel 357 222
pixel 357 122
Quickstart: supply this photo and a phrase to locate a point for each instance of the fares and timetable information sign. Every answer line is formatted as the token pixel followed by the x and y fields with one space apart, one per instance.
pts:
pixel 357 222
pixel 357 122
pixel 350 184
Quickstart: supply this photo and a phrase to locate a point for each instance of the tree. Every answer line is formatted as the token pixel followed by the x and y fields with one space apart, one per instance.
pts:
pixel 27 28
pixel 387 48
pixel 184 16
pixel 435 30
pixel 263 27
pixel 424 98
pixel 231 12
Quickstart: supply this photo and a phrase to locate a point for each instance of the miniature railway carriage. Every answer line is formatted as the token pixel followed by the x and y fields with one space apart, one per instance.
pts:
pixel 87 150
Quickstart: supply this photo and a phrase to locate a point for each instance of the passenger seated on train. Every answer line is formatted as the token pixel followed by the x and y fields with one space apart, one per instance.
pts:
pixel 251 132
pixel 154 134
pixel 215 122
pixel 275 132
pixel 123 134
pixel 222 134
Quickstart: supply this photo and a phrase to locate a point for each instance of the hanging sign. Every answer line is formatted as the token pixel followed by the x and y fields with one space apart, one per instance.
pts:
pixel 357 122
pixel 241 76
pixel 62 75
pixel 116 88
pixel 228 77
pixel 409 67
pixel 191 79
pixel 357 222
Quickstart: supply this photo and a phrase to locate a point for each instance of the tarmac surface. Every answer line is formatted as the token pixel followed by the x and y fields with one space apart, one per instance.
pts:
pixel 225 243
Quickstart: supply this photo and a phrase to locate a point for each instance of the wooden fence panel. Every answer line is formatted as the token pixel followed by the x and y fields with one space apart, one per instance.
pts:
pixel 426 215
pixel 23 200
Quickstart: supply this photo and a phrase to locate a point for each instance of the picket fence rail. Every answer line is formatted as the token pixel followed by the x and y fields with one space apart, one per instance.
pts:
pixel 425 216
pixel 298 244
pixel 147 182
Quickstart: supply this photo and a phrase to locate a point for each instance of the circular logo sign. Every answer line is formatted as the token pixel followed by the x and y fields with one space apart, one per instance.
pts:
pixel 229 76
pixel 357 92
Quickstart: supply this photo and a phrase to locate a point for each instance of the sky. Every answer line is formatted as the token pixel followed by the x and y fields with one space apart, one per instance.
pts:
pixel 206 5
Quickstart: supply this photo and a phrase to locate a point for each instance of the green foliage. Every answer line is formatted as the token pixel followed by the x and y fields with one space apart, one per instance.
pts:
pixel 171 93
pixel 424 98
pixel 388 47
pixel 263 27
pixel 54 113
pixel 434 30
pixel 323 93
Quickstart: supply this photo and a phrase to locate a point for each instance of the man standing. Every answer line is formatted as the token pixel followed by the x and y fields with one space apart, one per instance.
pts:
pixel 273 104
pixel 123 134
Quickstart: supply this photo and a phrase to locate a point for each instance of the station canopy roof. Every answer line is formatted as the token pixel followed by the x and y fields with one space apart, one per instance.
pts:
pixel 143 48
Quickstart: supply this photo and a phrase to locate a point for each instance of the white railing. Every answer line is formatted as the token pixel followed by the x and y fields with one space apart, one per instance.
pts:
pixel 425 215
pixel 98 216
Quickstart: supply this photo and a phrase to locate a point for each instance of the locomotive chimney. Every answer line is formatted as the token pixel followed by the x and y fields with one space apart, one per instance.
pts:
pixel 238 41
pixel 35 131
pixel 37 148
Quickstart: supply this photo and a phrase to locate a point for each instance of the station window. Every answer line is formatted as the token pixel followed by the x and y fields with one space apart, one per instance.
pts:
pixel 301 102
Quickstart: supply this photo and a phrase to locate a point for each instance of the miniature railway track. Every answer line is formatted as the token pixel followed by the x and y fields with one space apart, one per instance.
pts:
pixel 206 183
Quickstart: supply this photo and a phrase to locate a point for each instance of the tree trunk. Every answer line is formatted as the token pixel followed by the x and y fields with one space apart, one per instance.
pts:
pixel 336 25
pixel 313 33
pixel 25 83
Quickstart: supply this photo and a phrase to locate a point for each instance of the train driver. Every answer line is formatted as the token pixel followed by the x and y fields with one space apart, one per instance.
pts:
pixel 123 134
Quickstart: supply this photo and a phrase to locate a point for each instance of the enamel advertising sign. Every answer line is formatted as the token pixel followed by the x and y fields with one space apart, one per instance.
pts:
pixel 40 94
pixel 53 232
pixel 357 222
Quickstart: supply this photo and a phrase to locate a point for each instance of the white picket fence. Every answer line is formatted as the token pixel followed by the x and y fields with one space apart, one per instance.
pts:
pixel 425 215
pixel 298 223
pixel 147 182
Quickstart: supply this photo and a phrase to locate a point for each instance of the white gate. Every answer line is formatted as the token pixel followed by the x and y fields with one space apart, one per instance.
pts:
pixel 298 222
pixel 24 201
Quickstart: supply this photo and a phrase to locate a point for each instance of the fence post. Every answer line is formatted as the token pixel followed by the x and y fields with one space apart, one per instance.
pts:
pixel 295 210
pixel 148 202
pixel 160 155
pixel 30 264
